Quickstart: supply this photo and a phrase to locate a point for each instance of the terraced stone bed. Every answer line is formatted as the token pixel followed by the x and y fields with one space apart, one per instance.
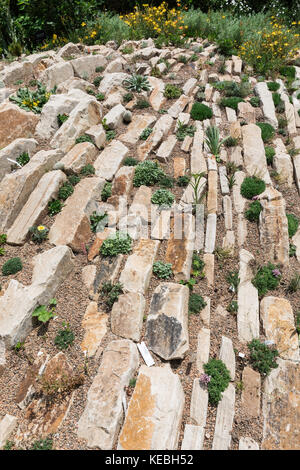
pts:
pixel 76 396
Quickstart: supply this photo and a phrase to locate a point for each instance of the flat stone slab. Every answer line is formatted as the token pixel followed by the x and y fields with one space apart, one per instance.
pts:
pixel 179 106
pixel 94 324
pixel 198 162
pixel 15 123
pixel 268 106
pixel 224 420
pixel 72 225
pixel 254 152
pixel 281 411
pixel 137 271
pixel 250 400
pixel 160 130
pixel 248 304
pixel 210 236
pixel 227 355
pixel 80 155
pixel 141 204
pixel 167 321
pixel 136 127
pixel 193 437
pixel 155 411
pixel 203 347
pixel 227 208
pixel 7 426
pixel 18 302
pixel 223 180
pixel 127 316
pixel 165 150
pixel 157 99
pixel 102 417
pixel 279 325
pixel 46 189
pixel 13 151
pixel 110 160
pixel 199 403
pixel 247 443
pixel 15 188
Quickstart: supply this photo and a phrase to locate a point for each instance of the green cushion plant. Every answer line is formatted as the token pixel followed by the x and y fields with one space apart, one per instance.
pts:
pixel 267 278
pixel 200 112
pixel 252 186
pixel 293 224
pixel 253 211
pixel 120 243
pixel 262 357
pixel 219 379
pixel 267 131
pixel 162 270
pixel 147 173
pixel 12 266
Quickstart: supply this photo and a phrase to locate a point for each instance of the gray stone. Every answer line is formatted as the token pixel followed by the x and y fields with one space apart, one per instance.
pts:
pixel 268 107
pixel 127 316
pixel 110 159
pixel 224 420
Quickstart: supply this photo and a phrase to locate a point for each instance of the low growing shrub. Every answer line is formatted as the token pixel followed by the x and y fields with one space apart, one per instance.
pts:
pixel 262 357
pixel 196 303
pixel 12 266
pixel 120 243
pixel 172 91
pixel 147 173
pixel 106 191
pixel 270 153
pixel 293 223
pixel 88 170
pixel 231 102
pixel 253 211
pixel 162 270
pixel 163 198
pixel 252 186
pixel 200 112
pixel 267 131
pixel 267 278
pixel 219 379
pixel 64 338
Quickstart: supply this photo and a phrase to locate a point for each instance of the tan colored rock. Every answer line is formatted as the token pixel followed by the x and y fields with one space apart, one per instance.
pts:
pixel 7 426
pixel 157 99
pixel 193 437
pixel 198 162
pixel 88 275
pixel 209 269
pixel 141 204
pixel 15 123
pixel 268 106
pixel 155 411
pixel 199 403
pixel 273 226
pixel 246 112
pixel 203 347
pixel 102 418
pixel 236 130
pixel 13 151
pixel 281 411
pixel 98 135
pixel 15 188
pixel 35 206
pixel 160 130
pixel 179 166
pixel 85 66
pixel 127 316
pixel 212 196
pixel 227 355
pixel 254 152
pixel 56 74
pixel 166 148
pixel 278 322
pixel 137 271
pixel 100 237
pixel 94 324
pixel 136 127
pixel 224 420
pixel 250 399
pixel 110 160
pixel 238 200
pixel 72 224
pixel 123 181
pixel 283 164
pixel 79 156
pixel 167 321
pixel 179 106
pixel 247 443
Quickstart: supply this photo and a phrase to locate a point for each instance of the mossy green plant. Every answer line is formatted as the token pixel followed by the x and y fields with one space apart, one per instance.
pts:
pixel 253 211
pixel 120 243
pixel 12 266
pixel 267 131
pixel 200 112
pixel 266 278
pixel 262 357
pixel 293 224
pixel 219 379
pixel 147 173
pixel 252 186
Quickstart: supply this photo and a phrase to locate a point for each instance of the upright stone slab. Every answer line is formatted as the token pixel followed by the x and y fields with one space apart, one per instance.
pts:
pixel 56 74
pixel 199 403
pixel 250 400
pixel 94 324
pixel 165 150
pixel 248 305
pixel 137 271
pixel 273 226
pixel 279 325
pixel 227 355
pixel 198 162
pixel 79 156
pixel 281 412
pixel 155 411
pixel 210 236
pixel 15 123
pixel 127 316
pixel 122 183
pixel 224 420
pixel 167 321
pixel 268 106
pixel 110 160
pixel 7 426
pixel 72 225
pixel 157 99
pixel 283 163
pixel 13 151
pixel 227 208
pixel 102 417
pixel 203 347
pixel 193 437
pixel 179 106
pixel 247 443
pixel 86 66
pixel 15 188
pixel 254 152
pixel 36 204
pixel 136 127
pixel 238 200
pixel 212 196
pixel 224 180
pixel 160 130
pixel 18 302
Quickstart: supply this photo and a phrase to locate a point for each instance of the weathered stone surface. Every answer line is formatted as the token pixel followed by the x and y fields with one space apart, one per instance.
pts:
pixel 110 159
pixel 18 302
pixel 250 399
pixel 102 418
pixel 112 80
pixel 7 426
pixel 179 166
pixel 16 123
pixel 278 322
pixel 227 355
pixel 85 115
pixel 141 204
pixel 296 242
pixel 283 164
pixel 248 305
pixel 137 271
pixel 36 204
pixel 181 245
pixel 79 156
pixel 98 135
pixel 155 410
pixel 227 207
pixel 85 66
pixel 199 227
pixel 224 420
pixel 210 236
pixel 157 99
pixel 13 151
pixel 229 242
pixel 238 200
pixel 15 188
pixel 254 152
pixel 273 226
pixel 167 321
pixel 160 229
pixel 165 150
pixel 198 162
pixel 199 402
pixel 94 324
pixel 72 225
pixel 179 106
pixel 136 127
pixel 114 117
pixel 203 347
pixel 212 196
pixel 160 130
pixel 100 237
pixel 268 106
pixel 247 443
pixel 122 183
pixel 281 407
pixel 57 74
pixel 246 112
pixel 2 357
pixel 127 316
pixel 224 180
pixel 193 437
pixel 16 71
pixel 88 275
pixel 289 113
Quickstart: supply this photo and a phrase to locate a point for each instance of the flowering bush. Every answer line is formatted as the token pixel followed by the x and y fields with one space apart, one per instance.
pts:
pixel 32 100
pixel 273 46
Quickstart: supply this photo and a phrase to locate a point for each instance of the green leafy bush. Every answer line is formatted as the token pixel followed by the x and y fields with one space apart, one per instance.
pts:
pixel 166 181
pixel 293 223
pixel 23 158
pixel 111 293
pixel 100 97
pixel 232 307
pixel 183 180
pixel 197 266
pixel 130 161
pixel 65 191
pixel 162 270
pixel 74 179
pixel 262 357
pixel 32 100
pixel 119 243
pixel 219 379
pixel 270 153
pixel 172 91
pixel 3 238
pixel 97 80
pixel 184 130
pixel 127 97
pixel 252 186
pixel 88 170
pixel 43 314
pixel 147 173
pixel 12 266
pixel 252 213
pixel 200 112
pixel 64 338
pixel 231 102
pixel 54 207
pixel 288 71
pixel 267 131
pixel 276 99
pixel 106 191
pixel 273 86
pixel 196 303
pixel 163 198
pixel 255 101
pixel 42 444
pixel 233 279
pixel 142 104
pixel 230 142
pixel 110 135
pixel 267 278
pixel 61 118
